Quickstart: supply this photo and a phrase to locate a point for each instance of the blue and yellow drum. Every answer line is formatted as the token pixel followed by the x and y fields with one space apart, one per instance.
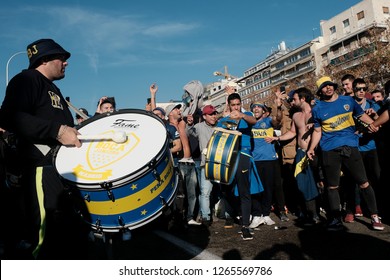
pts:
pixel 120 185
pixel 222 156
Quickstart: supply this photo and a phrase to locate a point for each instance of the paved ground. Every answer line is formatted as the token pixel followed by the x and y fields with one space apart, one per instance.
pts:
pixel 289 242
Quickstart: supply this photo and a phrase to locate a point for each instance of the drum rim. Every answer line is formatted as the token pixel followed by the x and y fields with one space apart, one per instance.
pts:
pixel 158 157
pixel 142 222
pixel 99 116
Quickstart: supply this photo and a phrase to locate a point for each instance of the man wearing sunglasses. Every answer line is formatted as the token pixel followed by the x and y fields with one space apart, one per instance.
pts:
pixel 367 144
pixel 359 94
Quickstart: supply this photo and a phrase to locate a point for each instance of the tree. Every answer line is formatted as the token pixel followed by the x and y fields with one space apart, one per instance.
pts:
pixel 370 60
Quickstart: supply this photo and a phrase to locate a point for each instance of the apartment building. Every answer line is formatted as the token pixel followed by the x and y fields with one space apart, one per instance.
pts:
pixel 340 43
pixel 345 33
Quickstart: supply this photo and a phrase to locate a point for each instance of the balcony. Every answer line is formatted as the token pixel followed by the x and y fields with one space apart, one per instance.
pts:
pixel 344 58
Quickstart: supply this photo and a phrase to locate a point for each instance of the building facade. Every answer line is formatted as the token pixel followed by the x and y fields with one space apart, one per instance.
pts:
pixel 340 43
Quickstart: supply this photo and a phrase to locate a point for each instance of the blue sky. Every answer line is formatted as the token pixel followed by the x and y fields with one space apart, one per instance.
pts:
pixel 120 47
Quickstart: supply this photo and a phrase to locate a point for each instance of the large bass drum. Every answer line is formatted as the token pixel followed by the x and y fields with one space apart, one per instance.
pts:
pixel 120 185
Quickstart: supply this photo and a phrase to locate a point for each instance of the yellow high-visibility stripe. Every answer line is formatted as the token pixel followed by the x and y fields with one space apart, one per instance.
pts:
pixel 42 212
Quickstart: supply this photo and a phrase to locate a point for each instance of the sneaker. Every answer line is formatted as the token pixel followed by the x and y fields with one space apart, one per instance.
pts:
pixel 358 211
pixel 257 220
pixel 268 221
pixel 246 234
pixel 335 225
pixel 312 222
pixel 229 223
pixel 317 220
pixel 376 223
pixel 192 222
pixel 349 218
pixel 283 217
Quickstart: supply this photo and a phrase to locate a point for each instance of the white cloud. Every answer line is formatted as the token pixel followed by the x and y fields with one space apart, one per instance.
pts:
pixel 116 36
pixel 169 29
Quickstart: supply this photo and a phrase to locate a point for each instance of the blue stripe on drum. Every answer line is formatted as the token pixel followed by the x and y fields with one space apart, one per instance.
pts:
pixel 211 162
pixel 225 158
pixel 135 216
pixel 222 170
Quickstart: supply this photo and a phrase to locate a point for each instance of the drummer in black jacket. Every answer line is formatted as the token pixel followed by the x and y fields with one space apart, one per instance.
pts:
pixel 35 110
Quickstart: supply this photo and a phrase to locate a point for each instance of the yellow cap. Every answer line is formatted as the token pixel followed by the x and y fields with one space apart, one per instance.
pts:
pixel 324 81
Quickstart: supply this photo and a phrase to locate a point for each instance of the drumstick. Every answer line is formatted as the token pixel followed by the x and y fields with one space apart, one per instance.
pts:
pixel 77 111
pixel 117 137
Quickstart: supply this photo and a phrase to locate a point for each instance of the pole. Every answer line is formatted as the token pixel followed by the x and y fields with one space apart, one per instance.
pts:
pixel 6 68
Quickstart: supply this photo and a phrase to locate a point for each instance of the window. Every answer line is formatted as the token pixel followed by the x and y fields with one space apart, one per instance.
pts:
pixel 360 15
pixel 346 27
pixel 332 30
pixel 385 10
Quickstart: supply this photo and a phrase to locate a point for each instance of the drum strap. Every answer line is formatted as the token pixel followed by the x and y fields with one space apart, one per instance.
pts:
pixel 44 149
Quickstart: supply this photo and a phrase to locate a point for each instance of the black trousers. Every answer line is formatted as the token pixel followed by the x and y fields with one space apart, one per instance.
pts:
pixel 52 227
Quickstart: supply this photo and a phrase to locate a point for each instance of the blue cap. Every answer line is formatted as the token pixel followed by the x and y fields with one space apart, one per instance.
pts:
pixel 161 110
pixel 291 95
pixel 258 104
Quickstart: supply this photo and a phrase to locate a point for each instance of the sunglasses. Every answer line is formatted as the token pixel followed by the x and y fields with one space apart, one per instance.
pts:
pixel 360 88
pixel 187 100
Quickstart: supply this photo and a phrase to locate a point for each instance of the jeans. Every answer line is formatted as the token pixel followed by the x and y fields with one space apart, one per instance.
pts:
pixel 204 198
pixel 188 173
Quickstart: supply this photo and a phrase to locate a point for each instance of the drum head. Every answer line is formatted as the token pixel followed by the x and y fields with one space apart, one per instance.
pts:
pixel 100 161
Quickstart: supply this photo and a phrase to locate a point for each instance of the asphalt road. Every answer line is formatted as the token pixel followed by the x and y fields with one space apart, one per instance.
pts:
pixel 289 241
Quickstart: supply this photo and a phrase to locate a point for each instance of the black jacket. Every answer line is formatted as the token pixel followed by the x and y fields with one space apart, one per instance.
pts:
pixel 34 109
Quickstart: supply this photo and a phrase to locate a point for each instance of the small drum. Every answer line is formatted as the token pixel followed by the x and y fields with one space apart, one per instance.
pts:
pixel 120 185
pixel 222 155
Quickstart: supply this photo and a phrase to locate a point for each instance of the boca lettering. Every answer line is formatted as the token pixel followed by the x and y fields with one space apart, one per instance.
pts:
pixel 108 146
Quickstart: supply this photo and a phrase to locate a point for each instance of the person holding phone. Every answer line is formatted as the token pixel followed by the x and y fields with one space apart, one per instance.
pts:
pixel 148 106
pixel 151 101
pixel 106 104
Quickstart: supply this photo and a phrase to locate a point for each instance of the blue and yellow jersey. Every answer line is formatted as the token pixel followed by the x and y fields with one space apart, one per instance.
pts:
pixel 244 128
pixel 261 149
pixel 367 140
pixel 336 121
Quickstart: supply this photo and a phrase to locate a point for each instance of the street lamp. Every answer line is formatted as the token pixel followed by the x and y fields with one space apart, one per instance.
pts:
pixel 6 68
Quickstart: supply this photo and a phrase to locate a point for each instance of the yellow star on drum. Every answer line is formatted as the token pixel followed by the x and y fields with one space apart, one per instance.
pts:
pixel 143 212
pixel 133 187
